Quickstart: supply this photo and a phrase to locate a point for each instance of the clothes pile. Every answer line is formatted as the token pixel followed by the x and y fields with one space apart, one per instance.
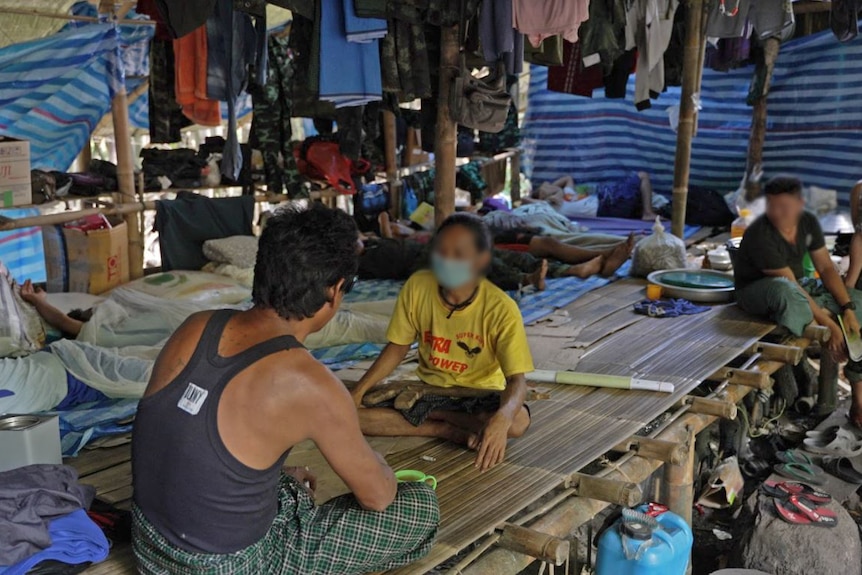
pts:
pixel 44 521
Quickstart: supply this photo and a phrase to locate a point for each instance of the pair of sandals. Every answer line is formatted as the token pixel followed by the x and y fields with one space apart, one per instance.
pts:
pixel 797 465
pixel 835 441
pixel 800 504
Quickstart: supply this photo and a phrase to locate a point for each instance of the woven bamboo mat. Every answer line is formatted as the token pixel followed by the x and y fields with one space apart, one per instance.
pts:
pixel 597 333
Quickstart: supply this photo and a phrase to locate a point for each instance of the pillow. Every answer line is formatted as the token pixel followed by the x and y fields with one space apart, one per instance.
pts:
pixel 239 251
pixel 199 287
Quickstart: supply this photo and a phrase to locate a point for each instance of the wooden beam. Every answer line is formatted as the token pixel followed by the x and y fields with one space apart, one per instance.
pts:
pixel 694 39
pixel 543 547
pixel 446 141
pixel 757 136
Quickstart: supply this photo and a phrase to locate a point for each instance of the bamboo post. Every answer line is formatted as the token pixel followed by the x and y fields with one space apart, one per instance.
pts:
pixel 444 146
pixel 687 113
pixel 390 144
pixel 789 354
pixel 534 543
pixel 665 451
pixel 679 482
pixel 515 176
pixel 749 377
pixel 827 396
pixel 623 493
pixel 757 137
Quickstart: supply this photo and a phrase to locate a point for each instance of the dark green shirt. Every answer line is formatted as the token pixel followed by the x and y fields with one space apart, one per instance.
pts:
pixel 763 248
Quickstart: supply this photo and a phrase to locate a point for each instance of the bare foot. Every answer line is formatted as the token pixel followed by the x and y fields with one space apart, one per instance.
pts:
pixel 617 258
pixel 537 278
pixel 587 269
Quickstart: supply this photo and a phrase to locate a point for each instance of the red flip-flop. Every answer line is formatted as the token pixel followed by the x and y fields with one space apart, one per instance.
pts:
pixel 784 489
pixel 797 512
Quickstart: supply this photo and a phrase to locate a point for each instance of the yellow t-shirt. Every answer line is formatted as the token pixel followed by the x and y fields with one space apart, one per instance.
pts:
pixel 476 347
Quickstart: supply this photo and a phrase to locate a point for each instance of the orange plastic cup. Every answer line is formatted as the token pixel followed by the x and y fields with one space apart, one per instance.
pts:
pixel 653 291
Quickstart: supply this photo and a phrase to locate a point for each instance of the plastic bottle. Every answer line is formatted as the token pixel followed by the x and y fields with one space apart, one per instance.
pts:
pixel 740 224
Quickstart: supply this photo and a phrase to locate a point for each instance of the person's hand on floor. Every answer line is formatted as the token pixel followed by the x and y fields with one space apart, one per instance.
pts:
pixel 305 477
pixel 32 294
pixel 491 443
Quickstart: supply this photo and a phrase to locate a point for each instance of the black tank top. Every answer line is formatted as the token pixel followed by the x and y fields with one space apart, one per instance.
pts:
pixel 187 483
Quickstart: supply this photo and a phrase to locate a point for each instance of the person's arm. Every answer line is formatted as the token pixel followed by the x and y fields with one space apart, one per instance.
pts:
pixel 564 182
pixel 821 316
pixel 334 426
pixel 390 358
pixel 834 285
pixel 38 299
pixel 492 445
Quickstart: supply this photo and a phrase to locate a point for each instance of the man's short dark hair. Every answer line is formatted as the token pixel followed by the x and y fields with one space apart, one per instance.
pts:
pixel 474 224
pixel 302 253
pixel 783 185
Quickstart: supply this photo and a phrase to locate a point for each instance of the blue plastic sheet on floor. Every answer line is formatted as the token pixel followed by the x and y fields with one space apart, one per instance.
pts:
pixel 75 539
pixel 668 308
pixel 343 356
pixel 374 290
pixel 625 226
pixel 90 421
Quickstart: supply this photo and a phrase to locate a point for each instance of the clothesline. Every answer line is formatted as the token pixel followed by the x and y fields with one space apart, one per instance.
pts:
pixel 70 17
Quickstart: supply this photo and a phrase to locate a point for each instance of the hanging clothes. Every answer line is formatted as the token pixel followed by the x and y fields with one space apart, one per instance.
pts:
pixel 617 80
pixel 729 54
pixel 406 68
pixel 185 17
pixel 361 28
pixel 844 19
pixel 649 25
pixel 728 18
pixel 271 131
pixel 573 77
pixel 499 39
pixel 351 75
pixel 540 19
pixel 772 19
pixel 190 67
pixel 605 32
pixel 548 53
pixel 236 43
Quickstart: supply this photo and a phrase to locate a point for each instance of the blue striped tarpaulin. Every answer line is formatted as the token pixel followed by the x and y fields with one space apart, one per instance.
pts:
pixel 814 125
pixel 54 91
pixel 22 251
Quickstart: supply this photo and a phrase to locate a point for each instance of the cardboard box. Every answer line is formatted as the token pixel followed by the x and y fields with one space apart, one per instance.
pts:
pixel 98 260
pixel 15 188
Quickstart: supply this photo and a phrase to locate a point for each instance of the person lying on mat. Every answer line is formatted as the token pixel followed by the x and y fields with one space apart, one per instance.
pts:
pixel 68 324
pixel 770 280
pixel 630 197
pixel 230 394
pixel 398 259
pixel 851 280
pixel 470 335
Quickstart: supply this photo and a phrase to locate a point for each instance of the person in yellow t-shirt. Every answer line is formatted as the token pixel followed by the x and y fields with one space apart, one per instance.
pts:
pixel 470 334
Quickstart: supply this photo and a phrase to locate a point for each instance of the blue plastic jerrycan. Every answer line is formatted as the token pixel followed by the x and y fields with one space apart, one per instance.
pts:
pixel 638 544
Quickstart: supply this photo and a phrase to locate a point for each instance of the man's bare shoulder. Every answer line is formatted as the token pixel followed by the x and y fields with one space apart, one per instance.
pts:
pixel 302 380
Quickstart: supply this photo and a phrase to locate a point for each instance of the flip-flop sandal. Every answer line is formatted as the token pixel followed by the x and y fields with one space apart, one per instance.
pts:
pixel 841 443
pixel 784 489
pixel 795 511
pixel 801 472
pixel 843 469
pixel 794 456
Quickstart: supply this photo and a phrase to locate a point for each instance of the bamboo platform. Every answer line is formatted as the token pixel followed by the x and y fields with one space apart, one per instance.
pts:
pixel 597 333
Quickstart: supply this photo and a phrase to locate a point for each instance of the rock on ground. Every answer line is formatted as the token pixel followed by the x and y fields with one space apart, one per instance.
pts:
pixel 777 547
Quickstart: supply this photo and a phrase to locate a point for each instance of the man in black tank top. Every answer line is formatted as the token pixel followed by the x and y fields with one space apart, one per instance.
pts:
pixel 230 395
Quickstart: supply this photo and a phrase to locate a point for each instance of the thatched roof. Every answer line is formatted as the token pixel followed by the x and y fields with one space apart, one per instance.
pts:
pixel 29 23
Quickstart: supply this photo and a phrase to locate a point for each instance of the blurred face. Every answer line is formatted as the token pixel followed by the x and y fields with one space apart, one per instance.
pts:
pixel 784 210
pixel 456 261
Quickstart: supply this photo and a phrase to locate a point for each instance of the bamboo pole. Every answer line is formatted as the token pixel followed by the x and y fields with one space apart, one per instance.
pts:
pixel 390 144
pixel 444 146
pixel 679 481
pixel 126 180
pixel 563 519
pixel 757 137
pixel 685 132
pixel 69 17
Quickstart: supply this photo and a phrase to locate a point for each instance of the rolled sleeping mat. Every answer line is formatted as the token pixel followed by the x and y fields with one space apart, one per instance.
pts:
pixel 599 380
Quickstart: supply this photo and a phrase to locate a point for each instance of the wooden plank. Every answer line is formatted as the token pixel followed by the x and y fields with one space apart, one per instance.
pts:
pixel 92 460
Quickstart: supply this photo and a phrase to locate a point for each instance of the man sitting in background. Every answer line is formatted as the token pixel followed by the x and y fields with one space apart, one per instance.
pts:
pixel 770 280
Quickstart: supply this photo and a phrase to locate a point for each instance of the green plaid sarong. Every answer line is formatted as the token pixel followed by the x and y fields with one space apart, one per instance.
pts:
pixel 338 538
